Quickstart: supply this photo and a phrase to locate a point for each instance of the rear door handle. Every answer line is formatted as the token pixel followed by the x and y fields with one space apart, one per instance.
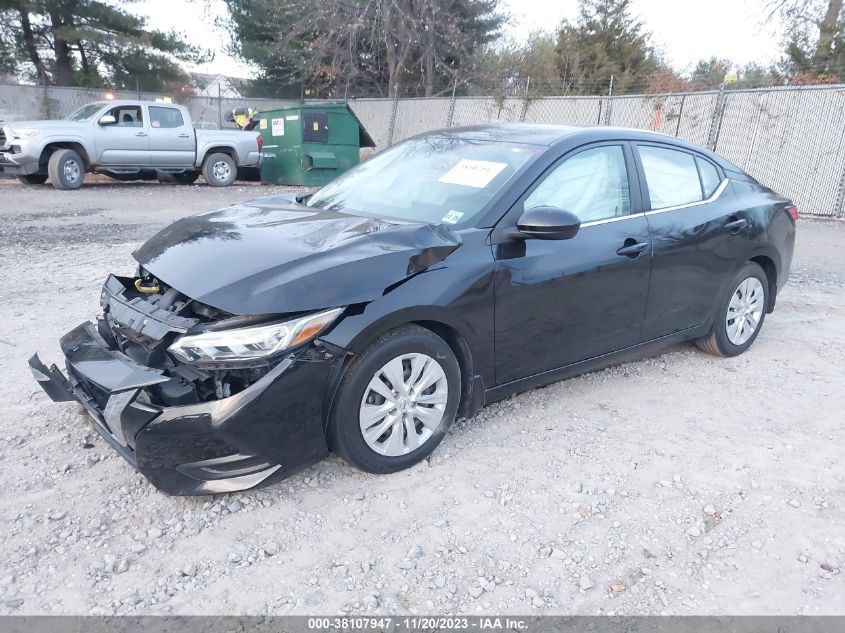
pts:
pixel 632 249
pixel 735 226
pixel 140 133
pixel 184 136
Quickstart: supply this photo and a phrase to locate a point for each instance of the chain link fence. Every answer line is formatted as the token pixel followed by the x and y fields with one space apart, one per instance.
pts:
pixel 790 138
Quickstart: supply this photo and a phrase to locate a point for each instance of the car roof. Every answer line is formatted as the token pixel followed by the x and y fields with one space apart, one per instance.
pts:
pixel 572 135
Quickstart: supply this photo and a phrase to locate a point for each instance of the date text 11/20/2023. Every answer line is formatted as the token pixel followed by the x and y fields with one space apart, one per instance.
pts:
pixel 417 623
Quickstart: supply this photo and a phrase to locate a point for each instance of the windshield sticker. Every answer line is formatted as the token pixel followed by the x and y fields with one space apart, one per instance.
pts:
pixel 278 127
pixel 473 173
pixel 453 217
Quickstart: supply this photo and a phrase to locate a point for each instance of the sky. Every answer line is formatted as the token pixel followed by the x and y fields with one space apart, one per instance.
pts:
pixel 687 30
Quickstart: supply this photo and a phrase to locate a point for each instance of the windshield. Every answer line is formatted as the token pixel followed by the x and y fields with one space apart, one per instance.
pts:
pixel 434 179
pixel 85 112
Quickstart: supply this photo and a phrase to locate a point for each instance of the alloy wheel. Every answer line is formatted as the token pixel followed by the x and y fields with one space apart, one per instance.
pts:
pixel 71 171
pixel 403 404
pixel 745 310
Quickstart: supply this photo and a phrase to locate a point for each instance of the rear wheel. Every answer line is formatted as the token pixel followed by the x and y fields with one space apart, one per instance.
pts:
pixel 740 315
pixel 396 401
pixel 66 169
pixel 33 179
pixel 220 170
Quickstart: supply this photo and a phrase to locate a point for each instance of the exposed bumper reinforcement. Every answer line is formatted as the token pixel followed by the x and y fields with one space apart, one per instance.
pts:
pixel 269 430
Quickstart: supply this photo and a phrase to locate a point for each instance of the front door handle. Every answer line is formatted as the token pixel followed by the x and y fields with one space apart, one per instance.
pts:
pixel 184 136
pixel 735 225
pixel 632 248
pixel 140 133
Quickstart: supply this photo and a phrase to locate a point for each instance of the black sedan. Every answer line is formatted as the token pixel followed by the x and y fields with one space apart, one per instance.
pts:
pixel 452 270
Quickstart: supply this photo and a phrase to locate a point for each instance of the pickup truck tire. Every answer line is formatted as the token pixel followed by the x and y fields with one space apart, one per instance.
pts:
pixel 66 169
pixel 219 170
pixel 33 179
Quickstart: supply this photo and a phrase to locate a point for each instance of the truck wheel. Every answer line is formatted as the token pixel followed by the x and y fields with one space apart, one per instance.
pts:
pixel 219 170
pixel 33 179
pixel 66 169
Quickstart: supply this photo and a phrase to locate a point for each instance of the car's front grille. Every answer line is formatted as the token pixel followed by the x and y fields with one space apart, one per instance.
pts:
pixel 2 138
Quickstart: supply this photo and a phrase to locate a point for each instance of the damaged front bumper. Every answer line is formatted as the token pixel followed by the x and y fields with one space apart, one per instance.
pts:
pixel 271 429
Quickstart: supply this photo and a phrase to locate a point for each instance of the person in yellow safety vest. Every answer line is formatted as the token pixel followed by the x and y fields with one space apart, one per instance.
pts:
pixel 244 118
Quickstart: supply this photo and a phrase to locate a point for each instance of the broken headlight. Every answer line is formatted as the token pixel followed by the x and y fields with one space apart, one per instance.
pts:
pixel 251 342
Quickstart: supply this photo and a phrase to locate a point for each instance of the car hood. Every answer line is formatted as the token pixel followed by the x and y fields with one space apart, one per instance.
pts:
pixel 273 255
pixel 46 124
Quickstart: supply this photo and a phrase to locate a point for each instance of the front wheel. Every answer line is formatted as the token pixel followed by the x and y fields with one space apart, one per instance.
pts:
pixel 740 315
pixel 66 169
pixel 220 170
pixel 396 401
pixel 33 179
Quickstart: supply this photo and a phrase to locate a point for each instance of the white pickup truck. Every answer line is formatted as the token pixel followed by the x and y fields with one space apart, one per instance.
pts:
pixel 126 140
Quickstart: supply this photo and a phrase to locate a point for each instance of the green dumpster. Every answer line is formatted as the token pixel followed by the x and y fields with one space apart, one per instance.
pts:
pixel 310 144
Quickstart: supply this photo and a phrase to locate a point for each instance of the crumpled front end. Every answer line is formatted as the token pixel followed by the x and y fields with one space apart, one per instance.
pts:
pixel 190 430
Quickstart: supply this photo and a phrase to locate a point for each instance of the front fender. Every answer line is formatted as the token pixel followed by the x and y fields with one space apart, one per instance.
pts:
pixel 87 146
pixel 458 297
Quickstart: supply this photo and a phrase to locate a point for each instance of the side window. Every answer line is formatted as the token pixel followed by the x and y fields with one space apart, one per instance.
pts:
pixel 127 116
pixel 165 117
pixel 671 175
pixel 593 185
pixel 709 176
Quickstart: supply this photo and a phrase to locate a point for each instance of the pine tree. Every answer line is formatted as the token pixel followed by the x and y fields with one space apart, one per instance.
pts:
pixel 605 41
pixel 88 42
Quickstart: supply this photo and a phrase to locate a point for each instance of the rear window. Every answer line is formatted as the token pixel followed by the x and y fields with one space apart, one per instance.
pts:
pixel 672 176
pixel 709 176
pixel 165 117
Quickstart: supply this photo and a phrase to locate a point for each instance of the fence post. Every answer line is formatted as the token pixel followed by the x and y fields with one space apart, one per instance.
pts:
pixel 716 121
pixel 680 116
pixel 451 114
pixel 393 115
pixel 609 102
pixel 525 101
pixel 219 107
pixel 46 98
pixel 761 107
pixel 839 211
pixel 840 196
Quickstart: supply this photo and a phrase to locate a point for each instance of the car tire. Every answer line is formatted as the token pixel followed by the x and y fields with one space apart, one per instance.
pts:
pixel 66 169
pixel 415 348
pixel 219 170
pixel 33 179
pixel 740 314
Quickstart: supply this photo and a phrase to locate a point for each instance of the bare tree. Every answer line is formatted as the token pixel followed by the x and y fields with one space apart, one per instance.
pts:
pixel 816 29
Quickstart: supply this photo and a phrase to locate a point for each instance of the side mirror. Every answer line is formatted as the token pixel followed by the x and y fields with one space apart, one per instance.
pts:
pixel 107 119
pixel 548 223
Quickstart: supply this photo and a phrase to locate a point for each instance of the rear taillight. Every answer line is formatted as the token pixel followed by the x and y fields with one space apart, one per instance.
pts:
pixel 793 212
pixel 261 146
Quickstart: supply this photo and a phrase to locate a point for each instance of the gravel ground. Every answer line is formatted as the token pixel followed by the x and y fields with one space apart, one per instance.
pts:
pixel 679 484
